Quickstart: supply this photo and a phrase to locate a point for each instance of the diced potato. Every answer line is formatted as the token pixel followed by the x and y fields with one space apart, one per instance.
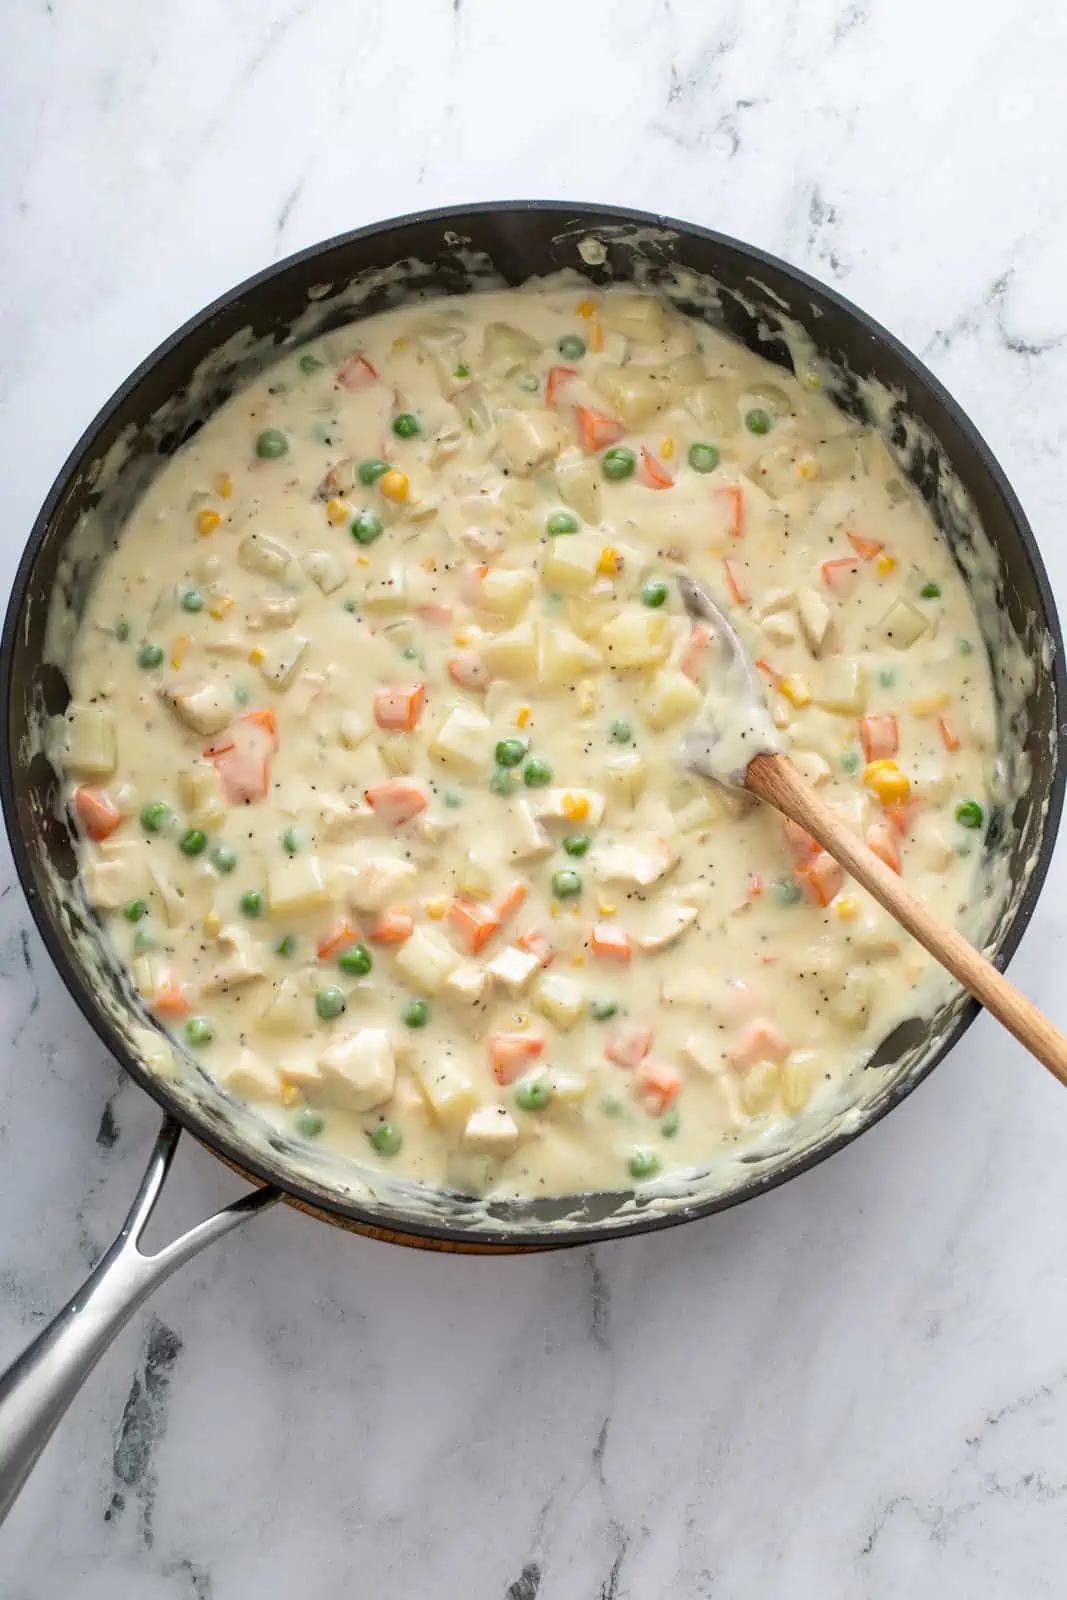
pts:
pixel 636 393
pixel 560 999
pixel 473 407
pixel 426 962
pixel 297 885
pixel 263 554
pixel 528 440
pixel 359 1071
pixel 339 820
pixel 352 728
pixel 505 347
pixel 702 811
pixel 842 687
pixel 204 707
pixel 641 317
pixel 468 983
pixel 249 1076
pixel 90 746
pixel 505 592
pixel 385 596
pixel 570 562
pixel 713 404
pixel 579 487
pixel 670 698
pixel 302 1071
pixel 448 1091
pixel 326 569
pixel 287 1011
pixel 780 627
pixel 626 776
pixel 106 884
pixel 490 1131
pixel 816 620
pixel 799 1077
pixel 565 657
pixel 850 1001
pixel 812 766
pixel 272 612
pixel 397 753
pixel 935 844
pixel 529 840
pixel 377 882
pixel 181 901
pixel 641 860
pixel 155 1051
pixel 902 625
pixel 239 962
pixel 512 968
pixel 474 879
pixel 704 1051
pixel 512 654
pixel 279 665
pixel 200 789
pixel 148 973
pixel 635 638
pixel 759 1087
pixel 307 687
pixel 464 740
pixel 582 807
pixel 666 926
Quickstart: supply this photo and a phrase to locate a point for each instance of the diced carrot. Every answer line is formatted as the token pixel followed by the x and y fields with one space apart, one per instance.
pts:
pixel 392 927
pixel 628 1044
pixel 398 710
pixel 761 1041
pixel 883 839
pixel 652 473
pixel 475 924
pixel 730 502
pixel 511 1053
pixel 821 877
pixel 356 373
pixel 537 942
pixel 867 548
pixel 735 582
pixel 97 814
pixel 754 888
pixel 840 575
pixel 469 671
pixel 171 999
pixel 611 942
pixel 949 736
pixel 768 671
pixel 471 580
pixel 396 801
pixel 241 756
pixel 880 736
pixel 511 900
pixel 438 613
pixel 695 659
pixel 596 431
pixel 799 841
pixel 342 936
pixel 657 1085
pixel 902 816
pixel 557 377
pixel 263 718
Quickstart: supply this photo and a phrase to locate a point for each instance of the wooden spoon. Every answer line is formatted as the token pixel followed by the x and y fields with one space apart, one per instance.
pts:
pixel 736 744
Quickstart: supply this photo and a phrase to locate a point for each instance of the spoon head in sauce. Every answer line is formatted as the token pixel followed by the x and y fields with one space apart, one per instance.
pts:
pixel 733 724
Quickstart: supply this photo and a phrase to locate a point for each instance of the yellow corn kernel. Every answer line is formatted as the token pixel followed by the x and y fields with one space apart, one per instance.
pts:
pixel 554 909
pixel 395 485
pixel 666 448
pixel 461 637
pixel 221 604
pixel 256 656
pixel 336 511
pixel 605 907
pixel 522 716
pixel 178 649
pixel 575 807
pixel 578 960
pixel 207 522
pixel 780 715
pixel 522 1020
pixel 400 344
pixel 363 561
pixel 290 1094
pixel 435 909
pixel 886 565
pixel 224 486
pixel 930 705
pixel 796 689
pixel 885 778
pixel 586 308
pixel 609 561
pixel 847 907
pixel 808 468
pixel 586 697
pixel 596 338
pixel 212 924
pixel 812 380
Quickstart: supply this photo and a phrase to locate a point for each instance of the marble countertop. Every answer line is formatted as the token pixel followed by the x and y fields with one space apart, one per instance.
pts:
pixel 854 1389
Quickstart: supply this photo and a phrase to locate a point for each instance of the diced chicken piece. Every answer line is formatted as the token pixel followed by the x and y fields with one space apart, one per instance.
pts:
pixel 200 789
pixel 375 883
pixel 627 776
pixel 106 884
pixel 467 982
pixel 513 968
pixel 505 347
pixel 249 1076
pixel 204 707
pixel 240 962
pixel 640 317
pixel 326 569
pixel 703 1051
pixel 490 1131
pixel 263 554
pixel 305 691
pixel 530 841
pixel 279 665
pixel 353 728
pixel 780 628
pixel 465 741
pixel 850 1001
pixel 505 592
pixel 816 620
pixel 578 483
pixel 512 654
pixel 671 697
pixel 181 901
pixel 359 1072
pixel 841 687
pixel 641 860
pixel 812 766
pixel 448 1091
pixel 636 393
pixel 565 657
pixel 297 885
pixel 578 806
pixel 667 925
pixel 302 1071
pixel 474 876
pixel 528 440
pixel 287 1010
pixel 635 638
pixel 902 625
pixel 272 611
pixel 426 962
pixel 570 563
pixel 560 999
pixel 90 748
pixel 935 845
pixel 568 1088
pixel 339 820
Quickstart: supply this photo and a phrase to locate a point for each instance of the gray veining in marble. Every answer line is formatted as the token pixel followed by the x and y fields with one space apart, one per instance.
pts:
pixel 855 1389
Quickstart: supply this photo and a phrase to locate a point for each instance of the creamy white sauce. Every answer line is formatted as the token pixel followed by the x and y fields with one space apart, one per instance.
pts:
pixel 740 1000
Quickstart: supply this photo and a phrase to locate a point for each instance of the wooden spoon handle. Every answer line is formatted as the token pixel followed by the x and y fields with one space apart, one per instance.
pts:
pixel 776 780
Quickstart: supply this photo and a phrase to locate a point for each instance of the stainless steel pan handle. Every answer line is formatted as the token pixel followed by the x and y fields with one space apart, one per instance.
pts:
pixel 39 1385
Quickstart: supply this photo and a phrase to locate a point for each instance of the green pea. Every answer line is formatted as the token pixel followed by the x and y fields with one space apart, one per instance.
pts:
pixel 619 463
pixel 417 1013
pixel 576 844
pixel 529 382
pixel 366 526
pixel 561 522
pixel 121 631
pixel 503 782
pixel 330 1002
pixel 571 348
pixel 603 1010
pixel 286 945
pixel 356 960
pixel 654 593
pixel 271 444
pixel 144 940
pixel 409 653
pixel 368 472
pixel 134 910
pixel 349 605
pixel 224 858
pixel 155 816
pixel 252 903
pixel 611 1105
pixel 150 656
pixel 930 591
pixel 198 1030
pixel 407 425
pixel 887 677
pixel 309 1123
pixel 621 732
pixel 704 457
pixel 310 363
pixel 786 892
pixel 293 839
pixel 850 762
pixel 452 800
pixel 533 1096
pixel 192 600
pixel 644 1164
pixel 670 1124
pixel 193 842
pixel 757 420
pixel 964 646
pixel 510 752
pixel 240 695
pixel 969 814
pixel 462 371
pixel 536 774
pixel 963 849
pixel 386 1138
pixel 566 884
